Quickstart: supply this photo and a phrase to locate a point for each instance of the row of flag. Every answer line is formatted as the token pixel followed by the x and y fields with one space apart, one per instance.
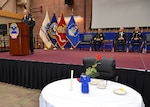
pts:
pixel 55 34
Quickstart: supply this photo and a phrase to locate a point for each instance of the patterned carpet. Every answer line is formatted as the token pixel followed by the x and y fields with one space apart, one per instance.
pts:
pixel 16 96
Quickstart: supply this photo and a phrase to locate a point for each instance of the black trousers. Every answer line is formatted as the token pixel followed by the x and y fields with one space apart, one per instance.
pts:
pixel 31 42
pixel 121 43
pixel 95 43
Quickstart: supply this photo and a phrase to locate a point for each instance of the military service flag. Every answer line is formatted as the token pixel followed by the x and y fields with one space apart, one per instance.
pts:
pixel 61 33
pixel 73 33
pixel 52 29
pixel 43 31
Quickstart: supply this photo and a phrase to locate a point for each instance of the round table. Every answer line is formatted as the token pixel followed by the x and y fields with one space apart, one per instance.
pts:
pixel 58 94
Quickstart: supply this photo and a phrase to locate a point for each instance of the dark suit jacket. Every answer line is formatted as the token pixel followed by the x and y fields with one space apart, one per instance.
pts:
pixel 118 35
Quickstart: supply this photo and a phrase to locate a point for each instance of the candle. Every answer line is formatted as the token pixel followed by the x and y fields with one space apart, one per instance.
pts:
pixel 71 82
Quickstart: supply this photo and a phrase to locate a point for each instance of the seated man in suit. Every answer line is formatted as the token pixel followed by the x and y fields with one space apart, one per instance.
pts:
pixel 137 37
pixel 120 39
pixel 98 39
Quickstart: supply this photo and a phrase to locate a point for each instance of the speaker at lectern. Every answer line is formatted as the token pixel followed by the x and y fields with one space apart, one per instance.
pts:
pixel 19 38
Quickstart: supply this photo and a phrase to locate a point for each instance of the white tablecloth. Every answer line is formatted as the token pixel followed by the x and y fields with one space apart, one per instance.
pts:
pixel 58 94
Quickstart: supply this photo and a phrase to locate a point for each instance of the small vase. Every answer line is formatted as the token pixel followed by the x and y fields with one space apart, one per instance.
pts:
pixel 84 79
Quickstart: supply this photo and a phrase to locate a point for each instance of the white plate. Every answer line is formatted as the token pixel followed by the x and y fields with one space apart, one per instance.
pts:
pixel 101 86
pixel 94 81
pixel 120 91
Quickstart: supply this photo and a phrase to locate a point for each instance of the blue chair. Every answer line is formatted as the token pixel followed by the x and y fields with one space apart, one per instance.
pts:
pixel 86 41
pixel 147 42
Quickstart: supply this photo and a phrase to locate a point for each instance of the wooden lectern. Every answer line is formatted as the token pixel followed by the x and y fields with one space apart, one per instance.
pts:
pixel 19 38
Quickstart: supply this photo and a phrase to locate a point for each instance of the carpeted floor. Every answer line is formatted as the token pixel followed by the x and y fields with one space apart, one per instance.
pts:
pixel 16 96
pixel 131 60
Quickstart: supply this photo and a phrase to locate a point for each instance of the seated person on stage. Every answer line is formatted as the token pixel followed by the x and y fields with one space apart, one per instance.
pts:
pixel 98 39
pixel 137 37
pixel 120 39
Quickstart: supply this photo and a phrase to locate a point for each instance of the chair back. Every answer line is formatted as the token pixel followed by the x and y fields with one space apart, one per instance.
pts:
pixel 148 38
pixel 87 37
pixel 88 61
pixel 107 68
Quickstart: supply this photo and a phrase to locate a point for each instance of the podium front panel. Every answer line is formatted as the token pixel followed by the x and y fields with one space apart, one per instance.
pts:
pixel 19 38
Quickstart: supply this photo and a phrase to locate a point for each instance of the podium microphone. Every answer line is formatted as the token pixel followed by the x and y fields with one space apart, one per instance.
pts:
pixel 25 7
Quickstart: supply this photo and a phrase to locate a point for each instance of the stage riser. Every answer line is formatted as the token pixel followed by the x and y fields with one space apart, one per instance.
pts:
pixel 37 75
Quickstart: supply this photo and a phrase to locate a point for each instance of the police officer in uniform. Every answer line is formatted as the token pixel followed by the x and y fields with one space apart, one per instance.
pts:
pixel 98 39
pixel 27 19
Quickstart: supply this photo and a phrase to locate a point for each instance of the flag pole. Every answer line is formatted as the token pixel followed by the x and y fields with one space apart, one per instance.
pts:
pixel 71 45
pixel 45 48
pixel 55 47
pixel 71 48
